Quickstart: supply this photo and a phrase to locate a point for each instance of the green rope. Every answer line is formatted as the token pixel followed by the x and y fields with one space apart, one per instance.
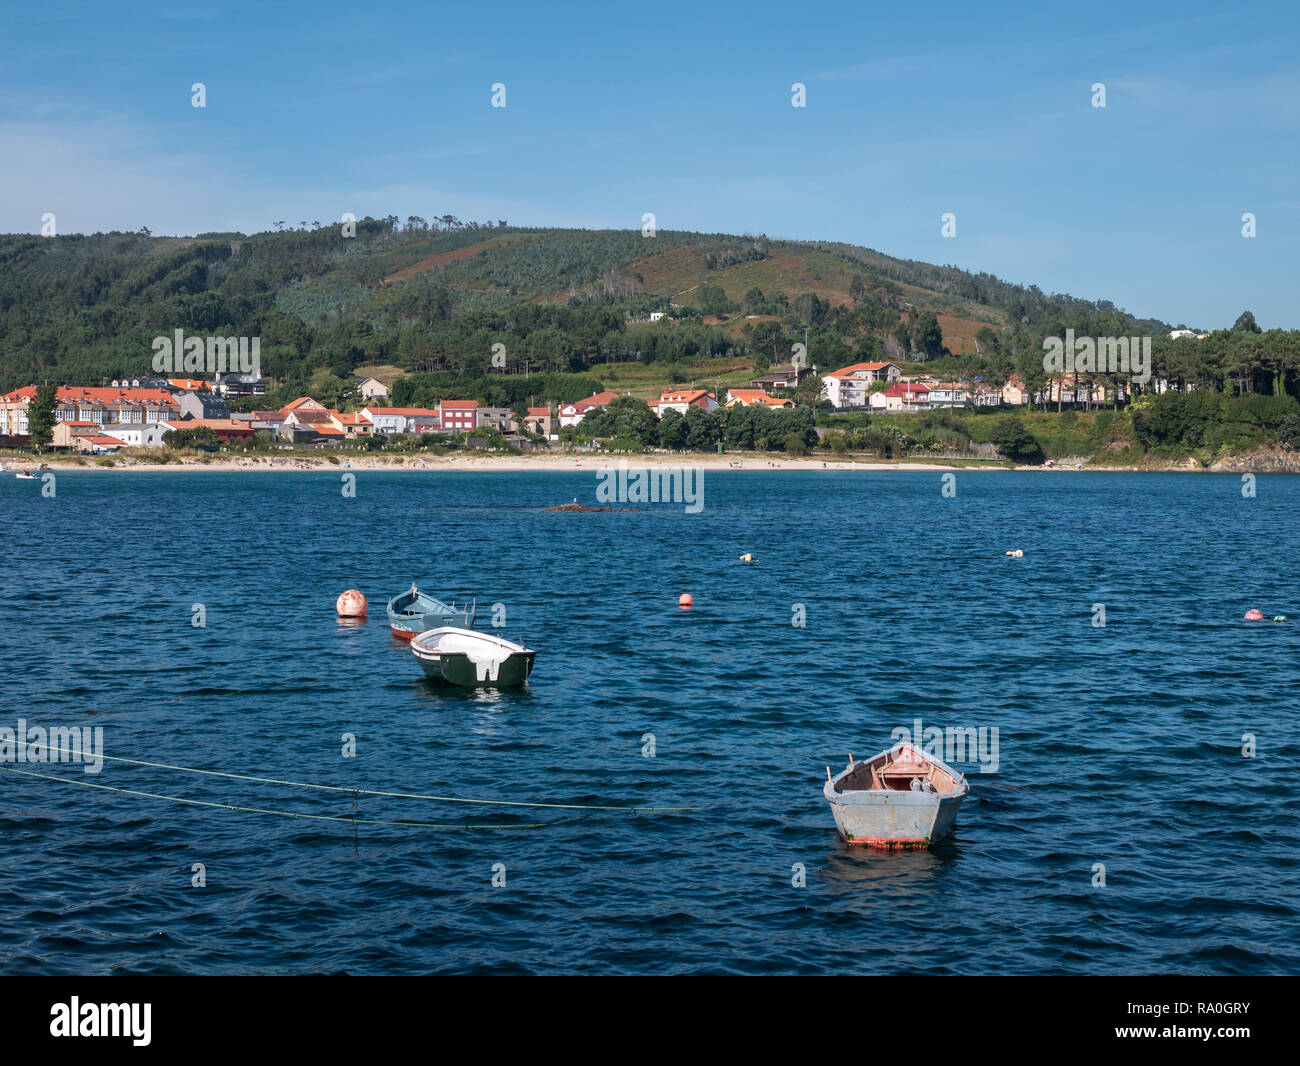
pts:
pixel 260 810
pixel 373 792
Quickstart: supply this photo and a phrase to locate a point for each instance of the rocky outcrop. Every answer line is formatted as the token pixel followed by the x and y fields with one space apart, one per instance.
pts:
pixel 1263 460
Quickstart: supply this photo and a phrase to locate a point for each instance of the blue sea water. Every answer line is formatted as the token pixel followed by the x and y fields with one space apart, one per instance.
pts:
pixel 1118 745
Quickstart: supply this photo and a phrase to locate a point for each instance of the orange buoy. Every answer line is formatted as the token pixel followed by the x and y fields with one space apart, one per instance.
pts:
pixel 352 604
pixel 684 601
pixel 1254 615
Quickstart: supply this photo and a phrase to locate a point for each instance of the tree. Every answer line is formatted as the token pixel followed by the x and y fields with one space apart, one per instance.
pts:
pixel 626 417
pixel 672 430
pixel 927 336
pixel 40 416
pixel 1246 323
pixel 1015 442
pixel 811 391
pixel 713 300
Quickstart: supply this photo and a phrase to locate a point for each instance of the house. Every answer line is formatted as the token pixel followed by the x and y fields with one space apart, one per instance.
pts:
pixel 1066 388
pixel 98 445
pixel 497 418
pixel 655 316
pixel 902 396
pixel 754 398
pixel 70 434
pixel 303 403
pixel 538 420
pixel 394 420
pixel 187 385
pixel 458 416
pixel 782 377
pixel 680 399
pixel 851 385
pixel 948 394
pixel 138 436
pixel 228 429
pixel 1174 334
pixel 271 420
pixel 306 417
pixel 1014 392
pixel 353 424
pixel 372 389
pixel 239 385
pixel 573 413
pixel 983 394
pixel 202 405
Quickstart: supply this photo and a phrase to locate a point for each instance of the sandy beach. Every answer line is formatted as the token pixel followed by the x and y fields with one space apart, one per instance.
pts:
pixel 1262 461
pixel 481 463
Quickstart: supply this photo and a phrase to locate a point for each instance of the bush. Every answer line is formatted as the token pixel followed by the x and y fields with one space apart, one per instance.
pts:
pixel 1288 433
pixel 622 444
pixel 794 444
pixel 1015 442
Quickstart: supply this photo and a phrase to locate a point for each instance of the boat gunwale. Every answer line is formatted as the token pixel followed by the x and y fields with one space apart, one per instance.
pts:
pixel 835 795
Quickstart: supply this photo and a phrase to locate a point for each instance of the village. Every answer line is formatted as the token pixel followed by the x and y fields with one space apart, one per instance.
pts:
pixel 139 412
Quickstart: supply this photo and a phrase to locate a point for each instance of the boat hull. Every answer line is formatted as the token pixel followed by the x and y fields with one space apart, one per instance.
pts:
pixel 472 660
pixel 901 798
pixel 459 669
pixel 893 819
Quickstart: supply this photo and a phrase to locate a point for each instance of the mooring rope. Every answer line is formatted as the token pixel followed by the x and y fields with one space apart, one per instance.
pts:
pixel 371 792
pixel 261 810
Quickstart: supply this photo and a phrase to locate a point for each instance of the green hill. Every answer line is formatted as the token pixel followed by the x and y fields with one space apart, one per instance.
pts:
pixel 84 309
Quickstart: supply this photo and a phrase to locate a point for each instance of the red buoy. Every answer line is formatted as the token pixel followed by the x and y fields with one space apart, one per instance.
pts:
pixel 684 601
pixel 1254 615
pixel 352 604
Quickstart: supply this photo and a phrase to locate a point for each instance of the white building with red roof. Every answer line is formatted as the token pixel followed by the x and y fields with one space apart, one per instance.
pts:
pixel 754 398
pixel 850 386
pixel 102 406
pixel 902 396
pixel 573 413
pixel 680 399
pixel 394 420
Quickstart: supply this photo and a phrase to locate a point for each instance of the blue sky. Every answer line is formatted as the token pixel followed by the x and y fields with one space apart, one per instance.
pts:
pixel 913 110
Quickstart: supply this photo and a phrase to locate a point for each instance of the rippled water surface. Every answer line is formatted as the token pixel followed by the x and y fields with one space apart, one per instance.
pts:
pixel 1119 745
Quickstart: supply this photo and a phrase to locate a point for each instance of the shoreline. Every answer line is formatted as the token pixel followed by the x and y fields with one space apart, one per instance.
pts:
pixel 595 462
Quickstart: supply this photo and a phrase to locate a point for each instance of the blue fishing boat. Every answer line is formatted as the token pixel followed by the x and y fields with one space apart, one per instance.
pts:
pixel 414 612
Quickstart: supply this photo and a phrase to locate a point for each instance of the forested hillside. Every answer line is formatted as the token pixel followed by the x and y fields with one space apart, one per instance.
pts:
pixel 430 297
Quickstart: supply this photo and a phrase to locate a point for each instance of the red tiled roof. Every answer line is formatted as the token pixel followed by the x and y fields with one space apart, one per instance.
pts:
pixel 102 396
pixel 539 412
pixel 906 388
pixel 687 396
pixel 458 405
pixel 846 371
pixel 220 425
